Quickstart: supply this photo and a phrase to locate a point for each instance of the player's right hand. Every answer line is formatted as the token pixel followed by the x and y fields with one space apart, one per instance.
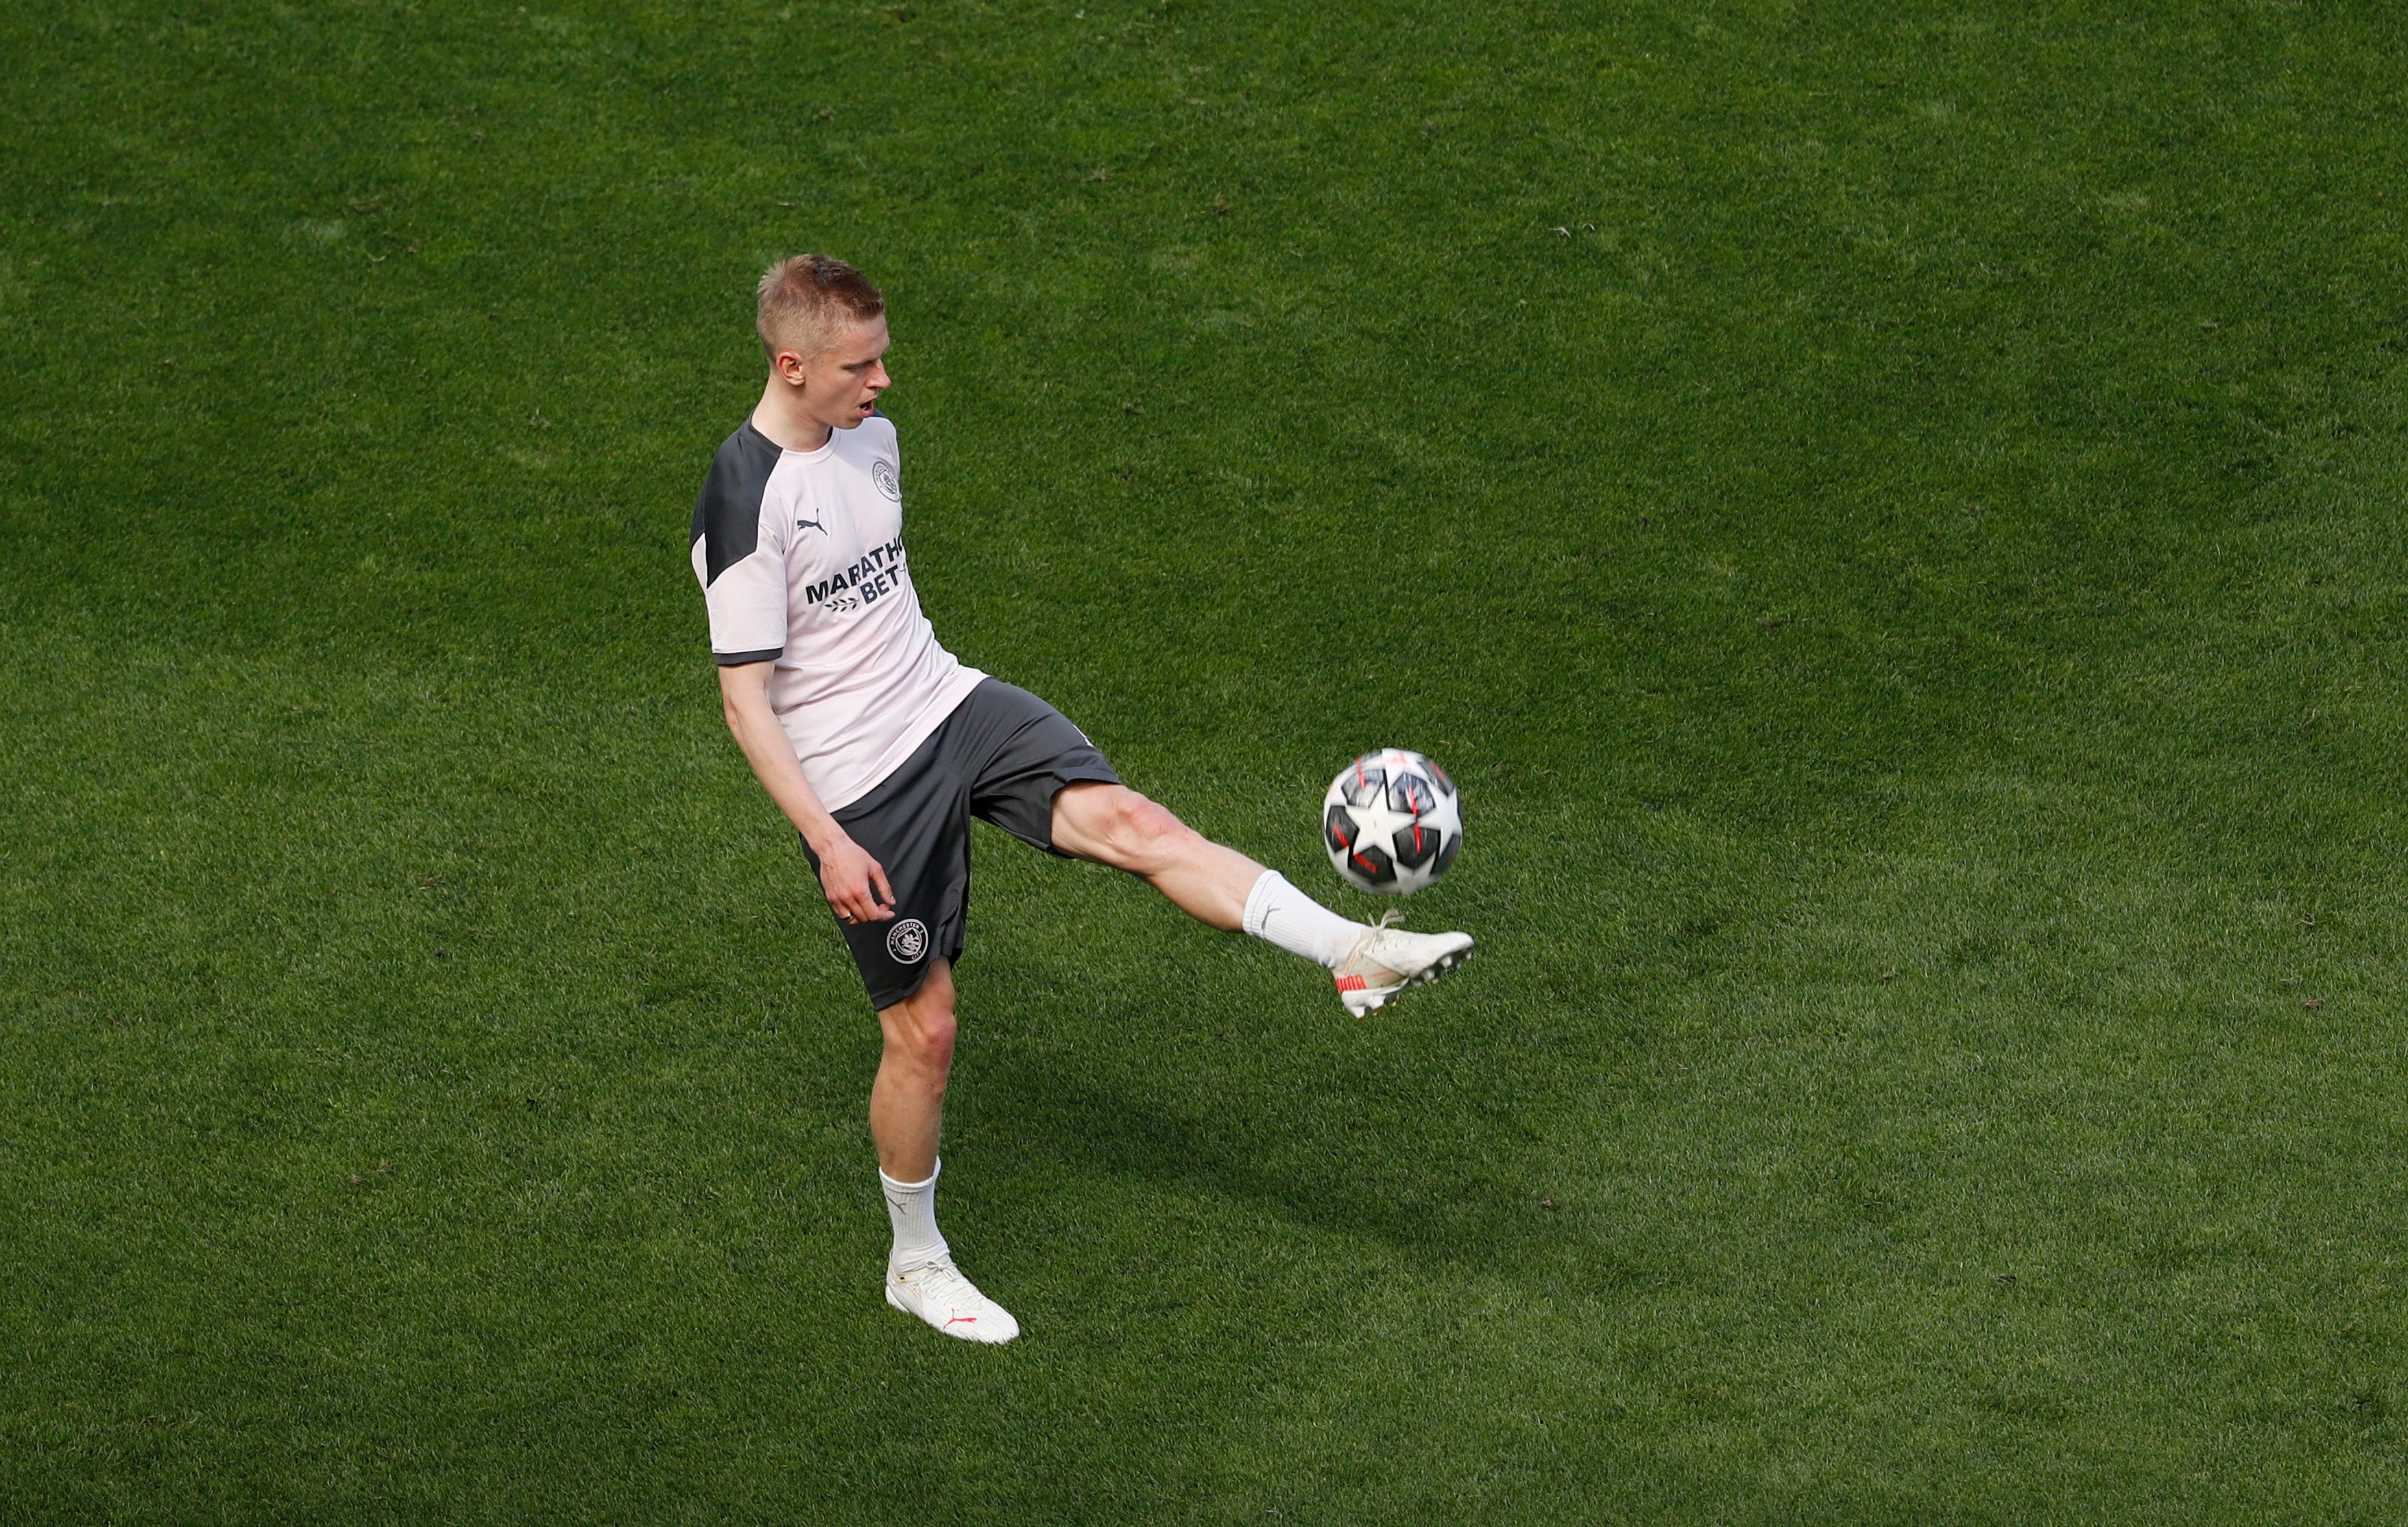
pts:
pixel 855 884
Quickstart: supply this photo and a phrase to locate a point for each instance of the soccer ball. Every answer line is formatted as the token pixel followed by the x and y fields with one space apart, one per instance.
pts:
pixel 1392 822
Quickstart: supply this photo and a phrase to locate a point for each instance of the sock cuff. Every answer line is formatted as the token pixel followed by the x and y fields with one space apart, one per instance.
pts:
pixel 886 1181
pixel 1258 902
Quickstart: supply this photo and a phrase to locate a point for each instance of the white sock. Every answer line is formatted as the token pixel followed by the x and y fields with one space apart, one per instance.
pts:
pixel 913 1207
pixel 1278 913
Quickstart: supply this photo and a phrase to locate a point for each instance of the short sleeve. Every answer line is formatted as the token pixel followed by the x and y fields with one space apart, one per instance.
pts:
pixel 748 608
pixel 740 554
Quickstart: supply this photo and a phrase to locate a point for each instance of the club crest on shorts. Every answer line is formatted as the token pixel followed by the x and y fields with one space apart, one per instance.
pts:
pixel 908 940
pixel 883 475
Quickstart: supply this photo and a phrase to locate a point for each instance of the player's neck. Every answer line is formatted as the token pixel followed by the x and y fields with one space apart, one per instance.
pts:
pixel 781 418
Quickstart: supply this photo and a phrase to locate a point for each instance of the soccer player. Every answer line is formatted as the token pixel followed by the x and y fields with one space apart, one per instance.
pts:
pixel 880 746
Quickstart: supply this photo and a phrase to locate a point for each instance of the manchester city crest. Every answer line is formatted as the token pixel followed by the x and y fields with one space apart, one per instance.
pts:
pixel 883 475
pixel 908 940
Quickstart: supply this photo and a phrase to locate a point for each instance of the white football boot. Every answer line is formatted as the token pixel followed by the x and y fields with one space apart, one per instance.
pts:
pixel 938 1294
pixel 1385 960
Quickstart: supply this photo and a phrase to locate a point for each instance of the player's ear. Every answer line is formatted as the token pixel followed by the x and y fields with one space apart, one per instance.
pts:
pixel 789 366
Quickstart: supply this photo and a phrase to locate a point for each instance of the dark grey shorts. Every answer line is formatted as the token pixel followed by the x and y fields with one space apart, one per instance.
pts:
pixel 1001 757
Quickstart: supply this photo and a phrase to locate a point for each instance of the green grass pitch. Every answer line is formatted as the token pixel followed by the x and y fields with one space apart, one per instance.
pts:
pixel 1893 512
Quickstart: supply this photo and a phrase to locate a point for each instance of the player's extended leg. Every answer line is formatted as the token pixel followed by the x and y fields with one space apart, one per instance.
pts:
pixel 1112 824
pixel 907 1109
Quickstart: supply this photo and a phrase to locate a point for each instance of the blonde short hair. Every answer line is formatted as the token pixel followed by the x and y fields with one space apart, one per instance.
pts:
pixel 807 301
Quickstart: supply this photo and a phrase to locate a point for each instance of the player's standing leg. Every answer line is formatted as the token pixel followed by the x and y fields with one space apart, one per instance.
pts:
pixel 906 1105
pixel 1112 824
pixel 907 1102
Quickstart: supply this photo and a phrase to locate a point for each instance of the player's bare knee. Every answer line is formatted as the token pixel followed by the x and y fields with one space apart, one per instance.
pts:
pixel 1143 829
pixel 933 1058
pixel 934 1029
pixel 920 1030
pixel 926 1041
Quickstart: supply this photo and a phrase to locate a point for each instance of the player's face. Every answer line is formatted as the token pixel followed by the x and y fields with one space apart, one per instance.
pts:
pixel 841 388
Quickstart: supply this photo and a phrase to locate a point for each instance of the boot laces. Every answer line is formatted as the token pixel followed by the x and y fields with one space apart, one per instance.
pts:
pixel 1366 951
pixel 944 1282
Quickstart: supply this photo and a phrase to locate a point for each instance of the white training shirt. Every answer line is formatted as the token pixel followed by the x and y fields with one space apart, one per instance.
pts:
pixel 801 555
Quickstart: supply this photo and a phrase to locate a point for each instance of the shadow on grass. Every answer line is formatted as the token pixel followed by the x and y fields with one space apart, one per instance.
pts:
pixel 1302 1159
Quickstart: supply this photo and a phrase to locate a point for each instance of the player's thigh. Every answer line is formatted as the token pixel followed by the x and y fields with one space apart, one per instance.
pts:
pixel 1112 824
pixel 1025 758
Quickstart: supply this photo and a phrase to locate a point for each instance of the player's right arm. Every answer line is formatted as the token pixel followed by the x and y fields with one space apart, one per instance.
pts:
pixel 855 884
pixel 739 555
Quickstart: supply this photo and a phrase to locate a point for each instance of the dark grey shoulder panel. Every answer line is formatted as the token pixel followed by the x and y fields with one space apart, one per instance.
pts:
pixel 727 516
